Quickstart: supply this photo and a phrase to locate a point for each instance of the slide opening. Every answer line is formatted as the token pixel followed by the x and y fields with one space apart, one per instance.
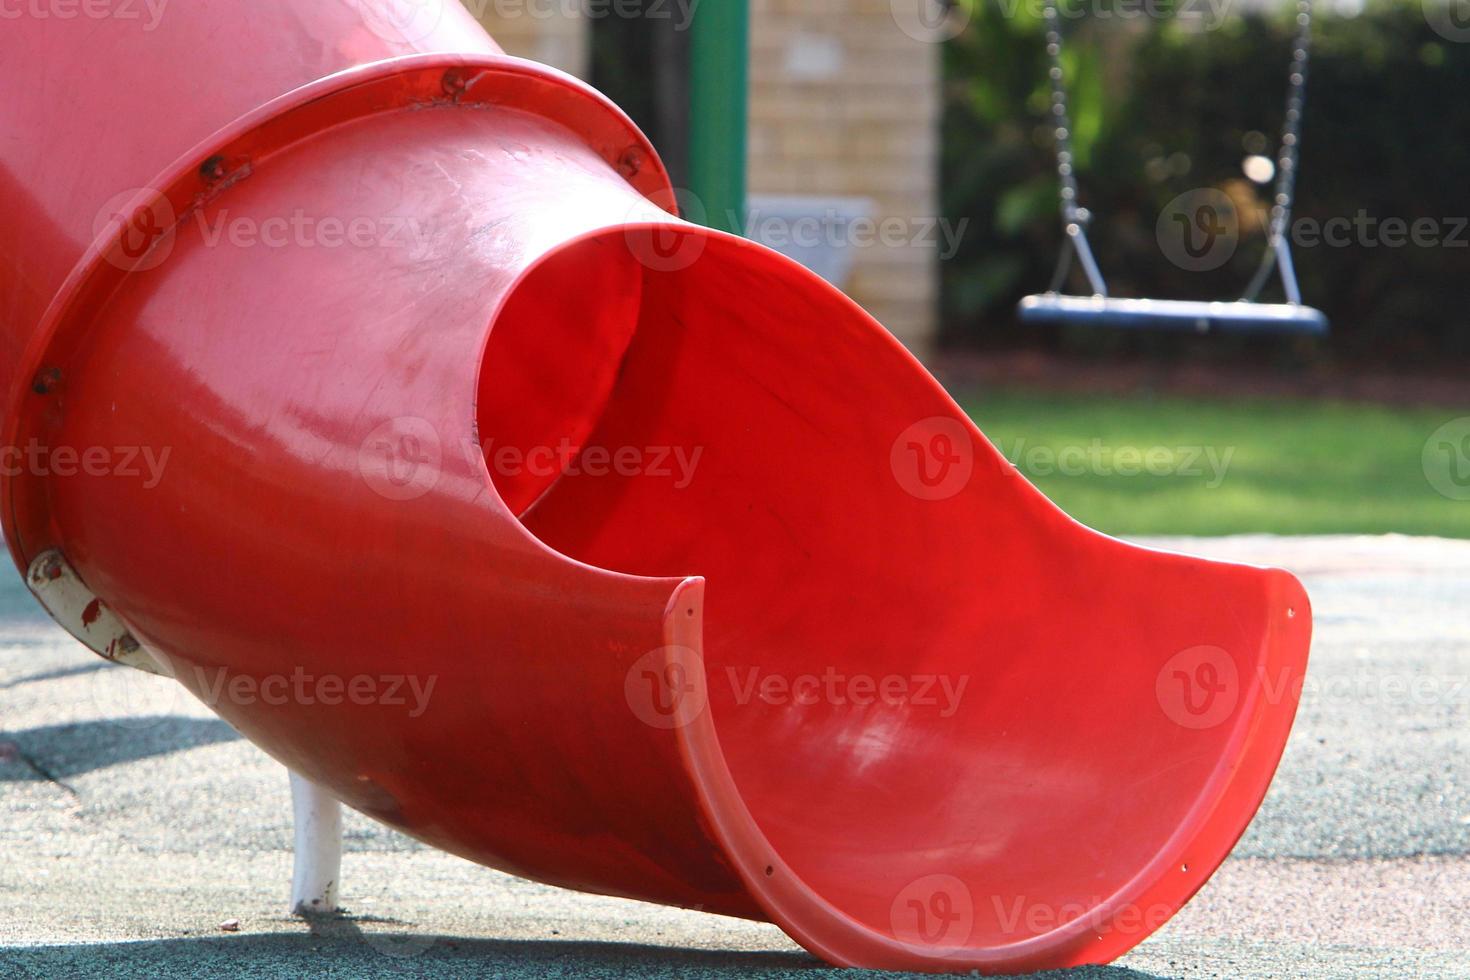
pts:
pixel 914 679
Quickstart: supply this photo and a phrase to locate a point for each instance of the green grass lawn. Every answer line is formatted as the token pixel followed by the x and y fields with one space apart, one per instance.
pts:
pixel 1169 465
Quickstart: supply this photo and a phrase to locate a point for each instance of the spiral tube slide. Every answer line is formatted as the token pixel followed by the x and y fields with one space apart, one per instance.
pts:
pixel 366 382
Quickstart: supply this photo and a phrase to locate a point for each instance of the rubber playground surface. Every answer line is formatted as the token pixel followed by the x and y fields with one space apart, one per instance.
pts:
pixel 143 837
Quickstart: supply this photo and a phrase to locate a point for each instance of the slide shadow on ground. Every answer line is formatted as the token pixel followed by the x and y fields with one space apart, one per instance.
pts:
pixel 354 947
pixel 60 752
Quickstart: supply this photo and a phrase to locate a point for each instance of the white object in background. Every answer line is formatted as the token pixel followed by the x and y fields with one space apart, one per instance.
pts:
pixel 813 57
pixel 818 232
pixel 318 848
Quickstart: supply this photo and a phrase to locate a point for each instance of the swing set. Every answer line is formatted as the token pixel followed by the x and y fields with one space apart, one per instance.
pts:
pixel 1245 315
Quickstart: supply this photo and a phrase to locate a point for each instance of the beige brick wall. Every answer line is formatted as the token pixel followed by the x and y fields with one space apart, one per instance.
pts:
pixel 553 33
pixel 844 102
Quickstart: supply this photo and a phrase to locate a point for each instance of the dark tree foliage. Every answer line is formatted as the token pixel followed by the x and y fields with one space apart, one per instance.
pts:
pixel 642 63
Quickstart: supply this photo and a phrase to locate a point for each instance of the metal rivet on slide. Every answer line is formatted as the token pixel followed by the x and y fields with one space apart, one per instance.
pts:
pixel 46 381
pixel 213 169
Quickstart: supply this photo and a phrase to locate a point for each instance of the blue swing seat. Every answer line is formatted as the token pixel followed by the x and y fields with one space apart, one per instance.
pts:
pixel 1238 316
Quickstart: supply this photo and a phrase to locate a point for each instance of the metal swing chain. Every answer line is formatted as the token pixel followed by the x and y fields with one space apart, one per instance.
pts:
pixel 1075 217
pixel 1277 247
pixel 1061 123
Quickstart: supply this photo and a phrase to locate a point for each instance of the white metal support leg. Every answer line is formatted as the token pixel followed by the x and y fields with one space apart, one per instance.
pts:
pixel 318 848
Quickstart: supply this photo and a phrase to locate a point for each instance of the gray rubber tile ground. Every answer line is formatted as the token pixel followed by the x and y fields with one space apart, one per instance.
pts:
pixel 134 826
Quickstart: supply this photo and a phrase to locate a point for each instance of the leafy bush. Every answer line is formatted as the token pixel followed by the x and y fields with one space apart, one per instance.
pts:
pixel 1161 108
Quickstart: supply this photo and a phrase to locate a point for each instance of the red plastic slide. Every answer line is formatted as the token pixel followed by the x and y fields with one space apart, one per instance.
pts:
pixel 357 376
